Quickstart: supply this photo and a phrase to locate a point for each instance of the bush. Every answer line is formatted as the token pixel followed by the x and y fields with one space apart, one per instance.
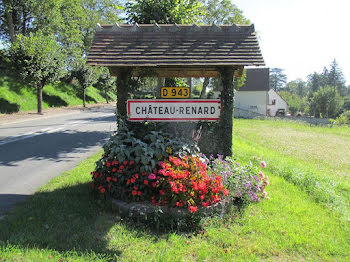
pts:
pixel 166 170
pixel 245 183
pixel 184 182
pixel 129 161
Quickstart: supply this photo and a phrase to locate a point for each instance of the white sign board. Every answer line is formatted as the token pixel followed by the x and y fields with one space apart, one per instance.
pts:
pixel 174 110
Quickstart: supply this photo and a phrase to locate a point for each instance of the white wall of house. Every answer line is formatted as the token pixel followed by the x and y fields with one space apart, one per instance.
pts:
pixel 275 102
pixel 251 101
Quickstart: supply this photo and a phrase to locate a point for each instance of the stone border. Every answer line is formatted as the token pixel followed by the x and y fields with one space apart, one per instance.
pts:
pixel 147 209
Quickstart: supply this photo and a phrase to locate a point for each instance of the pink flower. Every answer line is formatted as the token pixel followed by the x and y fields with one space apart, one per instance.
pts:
pixel 152 176
pixel 261 175
pixel 264 194
pixel 263 164
pixel 266 181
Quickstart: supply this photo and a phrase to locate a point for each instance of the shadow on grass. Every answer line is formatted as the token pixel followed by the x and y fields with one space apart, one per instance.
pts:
pixel 65 219
pixel 54 101
pixel 7 107
pixel 69 219
pixel 11 82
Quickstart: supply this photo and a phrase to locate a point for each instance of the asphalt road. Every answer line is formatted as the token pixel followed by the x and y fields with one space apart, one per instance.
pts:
pixel 32 152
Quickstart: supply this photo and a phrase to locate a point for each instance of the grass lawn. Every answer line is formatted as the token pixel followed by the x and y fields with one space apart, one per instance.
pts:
pixel 14 97
pixel 315 158
pixel 63 222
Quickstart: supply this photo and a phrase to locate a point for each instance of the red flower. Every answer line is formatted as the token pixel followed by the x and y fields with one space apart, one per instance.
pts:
pixel 92 185
pixel 115 163
pixel 102 190
pixel 135 187
pixel 205 204
pixel 161 192
pixel 108 179
pixel 114 179
pixel 154 184
pixel 95 175
pixel 114 169
pixel 122 167
pixel 134 192
pixel 133 180
pixel 136 176
pixel 226 192
pixel 125 163
pixel 193 209
pixel 131 163
pixel 145 182
pixel 139 193
pixel 108 164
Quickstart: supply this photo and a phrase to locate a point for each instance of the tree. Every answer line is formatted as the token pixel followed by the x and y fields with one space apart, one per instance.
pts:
pixel 38 60
pixel 105 82
pixel 277 79
pixel 15 18
pixel 297 87
pixel 72 22
pixel 326 102
pixel 86 76
pixel 223 12
pixel 294 101
pixel 164 11
pixel 315 81
pixel 335 78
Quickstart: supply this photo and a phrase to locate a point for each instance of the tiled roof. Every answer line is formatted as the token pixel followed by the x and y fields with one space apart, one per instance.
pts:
pixel 257 79
pixel 149 45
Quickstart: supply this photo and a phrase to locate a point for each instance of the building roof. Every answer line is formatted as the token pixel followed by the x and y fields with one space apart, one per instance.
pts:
pixel 257 79
pixel 167 45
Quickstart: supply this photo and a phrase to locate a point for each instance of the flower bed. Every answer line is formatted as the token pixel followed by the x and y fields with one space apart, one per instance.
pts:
pixel 157 172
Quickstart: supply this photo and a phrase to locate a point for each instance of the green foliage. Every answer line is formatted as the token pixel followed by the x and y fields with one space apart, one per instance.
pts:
pixel 105 82
pixel 295 102
pixel 62 222
pixel 297 87
pixel 86 75
pixel 277 79
pixel 144 148
pixel 17 97
pixel 326 102
pixel 15 18
pixel 346 103
pixel 223 12
pixel 164 11
pixel 37 58
pixel 343 119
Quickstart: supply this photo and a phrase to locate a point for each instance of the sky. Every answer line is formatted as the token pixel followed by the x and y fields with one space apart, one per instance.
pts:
pixel 301 36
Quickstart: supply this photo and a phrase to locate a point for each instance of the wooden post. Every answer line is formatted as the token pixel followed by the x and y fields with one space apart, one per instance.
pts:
pixel 123 87
pixel 226 117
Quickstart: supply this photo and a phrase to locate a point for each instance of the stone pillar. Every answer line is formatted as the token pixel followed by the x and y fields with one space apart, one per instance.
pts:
pixel 226 117
pixel 123 88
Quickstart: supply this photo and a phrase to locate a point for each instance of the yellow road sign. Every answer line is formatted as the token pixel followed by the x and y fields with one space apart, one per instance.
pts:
pixel 174 92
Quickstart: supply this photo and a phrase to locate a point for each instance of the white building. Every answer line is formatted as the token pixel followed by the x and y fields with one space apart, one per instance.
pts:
pixel 255 98
pixel 251 99
pixel 276 103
